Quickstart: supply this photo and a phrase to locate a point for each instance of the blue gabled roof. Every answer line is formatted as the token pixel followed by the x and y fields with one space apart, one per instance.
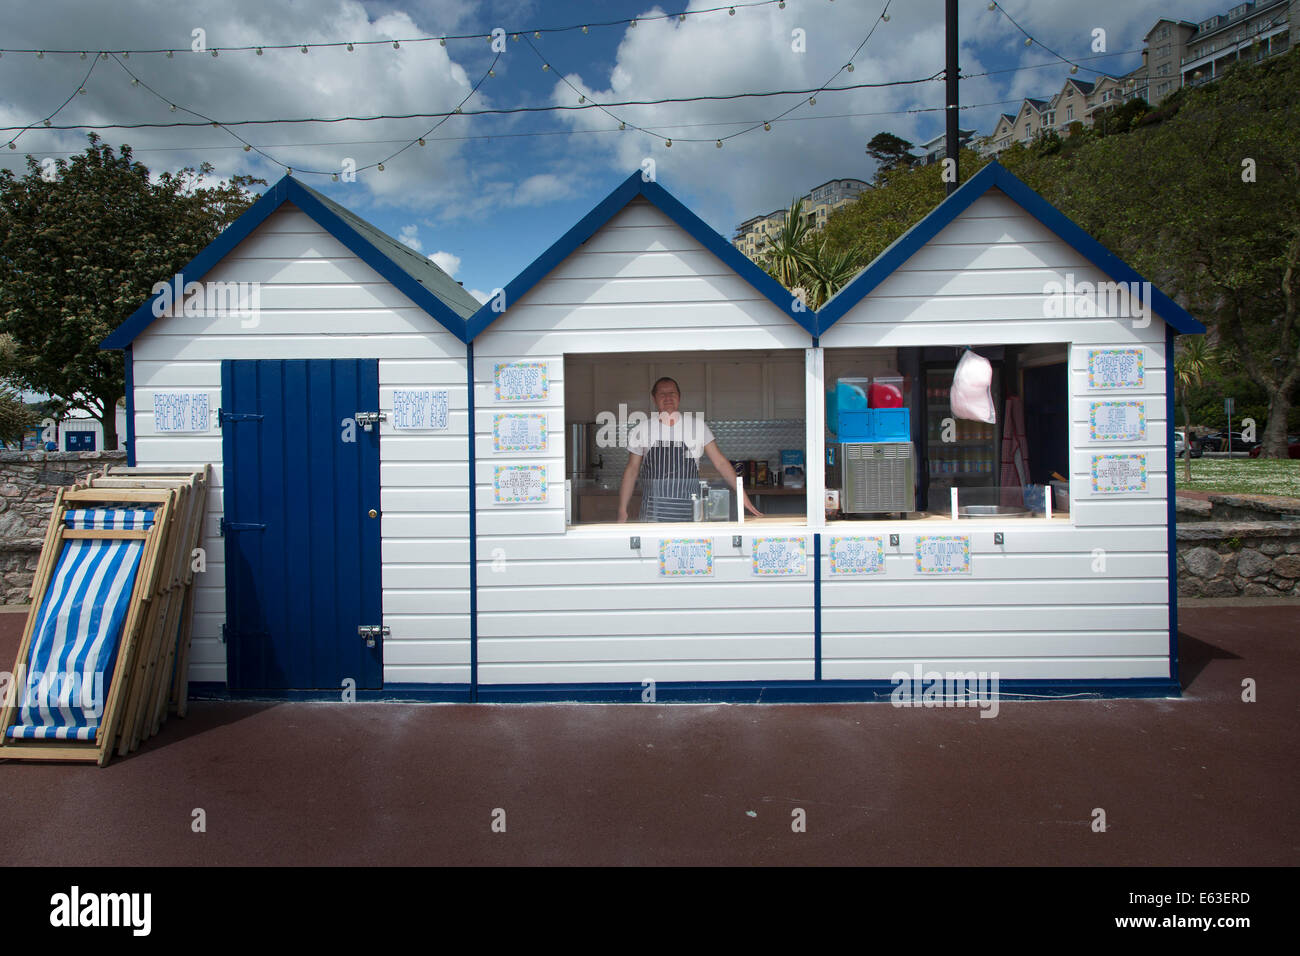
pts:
pixel 996 176
pixel 413 274
pixel 632 187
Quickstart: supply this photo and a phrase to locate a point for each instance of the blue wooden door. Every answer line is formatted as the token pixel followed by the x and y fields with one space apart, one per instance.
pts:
pixel 301 525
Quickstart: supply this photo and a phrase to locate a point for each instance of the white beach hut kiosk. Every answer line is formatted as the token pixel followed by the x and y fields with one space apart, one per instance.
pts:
pixel 416 497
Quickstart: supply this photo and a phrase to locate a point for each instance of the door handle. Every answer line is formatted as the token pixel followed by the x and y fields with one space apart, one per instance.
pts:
pixel 374 513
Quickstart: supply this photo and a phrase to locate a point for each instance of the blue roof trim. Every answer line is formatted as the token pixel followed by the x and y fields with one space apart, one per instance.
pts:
pixel 289 189
pixel 996 176
pixel 605 210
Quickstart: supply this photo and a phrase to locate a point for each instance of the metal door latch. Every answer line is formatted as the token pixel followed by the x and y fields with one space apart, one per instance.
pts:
pixel 369 633
pixel 368 420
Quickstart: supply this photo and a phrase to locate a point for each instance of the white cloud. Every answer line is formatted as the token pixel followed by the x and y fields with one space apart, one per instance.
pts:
pixel 480 295
pixel 410 237
pixel 445 261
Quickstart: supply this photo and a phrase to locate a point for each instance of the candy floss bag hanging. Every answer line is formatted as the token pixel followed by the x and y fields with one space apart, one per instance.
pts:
pixel 971 396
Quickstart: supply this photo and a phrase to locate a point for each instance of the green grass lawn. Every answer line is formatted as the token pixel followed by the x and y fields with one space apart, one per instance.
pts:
pixel 1242 476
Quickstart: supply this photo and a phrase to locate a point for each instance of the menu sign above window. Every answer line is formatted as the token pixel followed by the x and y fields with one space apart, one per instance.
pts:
pixel 520 381
pixel 1115 368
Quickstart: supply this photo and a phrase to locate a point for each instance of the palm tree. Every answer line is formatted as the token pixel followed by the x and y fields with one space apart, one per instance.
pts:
pixel 828 270
pixel 785 255
pixel 1190 366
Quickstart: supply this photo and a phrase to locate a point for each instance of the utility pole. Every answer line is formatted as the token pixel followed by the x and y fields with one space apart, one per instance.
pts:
pixel 953 146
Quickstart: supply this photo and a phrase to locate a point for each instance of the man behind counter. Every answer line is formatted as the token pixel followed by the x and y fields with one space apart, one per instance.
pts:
pixel 665 451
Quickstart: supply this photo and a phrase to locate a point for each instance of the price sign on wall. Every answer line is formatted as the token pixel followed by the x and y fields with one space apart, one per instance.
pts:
pixel 1115 368
pixel 1118 421
pixel 684 557
pixel 780 556
pixel 520 381
pixel 519 432
pixel 857 555
pixel 943 554
pixel 519 484
pixel 182 411
pixel 1113 474
pixel 420 408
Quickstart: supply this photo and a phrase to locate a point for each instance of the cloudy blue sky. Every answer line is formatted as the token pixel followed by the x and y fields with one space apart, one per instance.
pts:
pixel 488 193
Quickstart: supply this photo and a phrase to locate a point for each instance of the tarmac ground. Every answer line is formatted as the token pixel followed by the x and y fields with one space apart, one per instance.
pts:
pixel 1205 780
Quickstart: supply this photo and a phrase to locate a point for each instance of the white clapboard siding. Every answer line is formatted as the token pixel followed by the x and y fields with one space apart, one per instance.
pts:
pixel 983 281
pixel 318 300
pixel 571 607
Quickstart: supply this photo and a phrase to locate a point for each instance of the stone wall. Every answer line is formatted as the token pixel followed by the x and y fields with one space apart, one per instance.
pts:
pixel 28 482
pixel 1239 559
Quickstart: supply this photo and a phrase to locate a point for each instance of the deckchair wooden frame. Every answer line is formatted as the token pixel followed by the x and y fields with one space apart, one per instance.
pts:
pixel 134 626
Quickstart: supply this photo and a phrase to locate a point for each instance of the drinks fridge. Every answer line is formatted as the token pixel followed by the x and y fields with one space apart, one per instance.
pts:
pixel 958 453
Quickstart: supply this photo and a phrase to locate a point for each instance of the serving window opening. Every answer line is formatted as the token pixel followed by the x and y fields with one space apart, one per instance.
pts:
pixel 738 411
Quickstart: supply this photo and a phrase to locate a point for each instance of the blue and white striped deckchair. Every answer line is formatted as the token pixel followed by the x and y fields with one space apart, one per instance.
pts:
pixel 78 629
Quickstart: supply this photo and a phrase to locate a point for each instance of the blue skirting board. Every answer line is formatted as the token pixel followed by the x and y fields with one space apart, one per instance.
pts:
pixel 730 692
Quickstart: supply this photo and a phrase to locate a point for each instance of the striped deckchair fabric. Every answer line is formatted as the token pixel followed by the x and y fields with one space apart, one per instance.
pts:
pixel 106 643
pixel 78 629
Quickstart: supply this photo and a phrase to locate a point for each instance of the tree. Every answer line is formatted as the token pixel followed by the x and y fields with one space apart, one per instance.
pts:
pixel 1206 205
pixel 890 152
pixel 1191 365
pixel 81 245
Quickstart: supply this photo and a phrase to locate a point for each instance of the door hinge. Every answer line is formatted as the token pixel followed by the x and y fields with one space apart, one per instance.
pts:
pixel 224 416
pixel 240 526
pixel 368 420
pixel 372 632
pixel 225 632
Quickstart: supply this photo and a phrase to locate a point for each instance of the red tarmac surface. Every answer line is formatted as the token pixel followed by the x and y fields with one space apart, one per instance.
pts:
pixel 1203 780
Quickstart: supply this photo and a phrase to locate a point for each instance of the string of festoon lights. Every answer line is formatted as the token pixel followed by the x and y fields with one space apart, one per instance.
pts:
pixel 1031 40
pixel 765 124
pixel 379 165
pixel 396 42
pixel 583 101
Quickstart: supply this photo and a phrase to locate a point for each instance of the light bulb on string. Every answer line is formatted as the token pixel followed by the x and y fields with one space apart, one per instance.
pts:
pixel 172 107
pixel 396 45
pixel 582 99
pixel 442 41
pixel 584 29
pixel 380 167
pixel 334 177
pixel 40 55
pixel 812 101
pixel 304 48
pixel 135 81
pixel 247 147
pixel 768 127
pixel 731 12
pixel 83 55
pixel 82 91
pixel 1029 41
pixel 492 72
pixel 669 143
pixel 1074 68
pixel 349 47
pixel 545 67
pixel 849 67
pixel 885 17
pixel 622 126
pixel 47 122
pixel 259 51
pixel 718 144
pixel 170 54
pixel 214 52
pixel 420 141
pixel 632 24
pixel 781 4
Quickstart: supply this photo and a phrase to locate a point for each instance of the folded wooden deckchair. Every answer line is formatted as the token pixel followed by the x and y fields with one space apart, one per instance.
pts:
pixel 95 584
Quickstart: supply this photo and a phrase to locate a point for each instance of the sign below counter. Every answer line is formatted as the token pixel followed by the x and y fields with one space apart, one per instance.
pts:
pixel 780 556
pixel 857 555
pixel 519 484
pixel 685 557
pixel 943 554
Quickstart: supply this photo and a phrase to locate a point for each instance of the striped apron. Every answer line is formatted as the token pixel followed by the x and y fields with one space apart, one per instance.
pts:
pixel 669 476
